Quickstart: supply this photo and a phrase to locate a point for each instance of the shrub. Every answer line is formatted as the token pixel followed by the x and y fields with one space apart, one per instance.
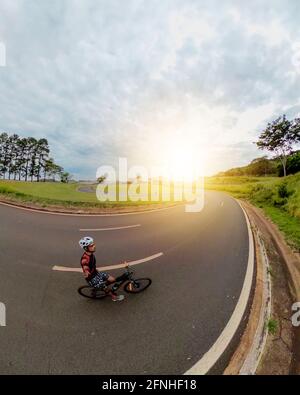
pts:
pixel 283 190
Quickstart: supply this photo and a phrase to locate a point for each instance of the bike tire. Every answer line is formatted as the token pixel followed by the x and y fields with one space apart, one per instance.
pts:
pixel 143 283
pixel 91 293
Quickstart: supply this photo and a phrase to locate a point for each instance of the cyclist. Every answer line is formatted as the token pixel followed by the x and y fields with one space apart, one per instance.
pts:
pixel 94 277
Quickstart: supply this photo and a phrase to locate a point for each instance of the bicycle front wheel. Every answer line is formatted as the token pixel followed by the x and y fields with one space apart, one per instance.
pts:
pixel 137 285
pixel 91 293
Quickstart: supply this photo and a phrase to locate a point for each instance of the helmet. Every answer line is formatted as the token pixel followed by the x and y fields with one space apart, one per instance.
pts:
pixel 86 241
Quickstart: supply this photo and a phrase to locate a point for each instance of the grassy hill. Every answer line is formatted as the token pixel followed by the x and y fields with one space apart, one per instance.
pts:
pixel 67 195
pixel 278 197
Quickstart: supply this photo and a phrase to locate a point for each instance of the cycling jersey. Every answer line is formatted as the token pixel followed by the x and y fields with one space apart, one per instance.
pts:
pixel 88 264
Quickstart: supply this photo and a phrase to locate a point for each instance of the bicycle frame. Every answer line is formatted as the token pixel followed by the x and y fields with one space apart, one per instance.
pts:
pixel 126 276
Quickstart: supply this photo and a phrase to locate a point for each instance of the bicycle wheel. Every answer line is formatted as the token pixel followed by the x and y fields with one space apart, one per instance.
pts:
pixel 91 293
pixel 137 285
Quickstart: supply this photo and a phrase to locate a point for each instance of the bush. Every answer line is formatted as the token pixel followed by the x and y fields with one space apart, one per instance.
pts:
pixel 261 193
pixel 283 191
pixel 278 201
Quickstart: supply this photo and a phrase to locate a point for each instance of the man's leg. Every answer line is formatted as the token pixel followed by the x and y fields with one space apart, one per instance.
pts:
pixel 111 291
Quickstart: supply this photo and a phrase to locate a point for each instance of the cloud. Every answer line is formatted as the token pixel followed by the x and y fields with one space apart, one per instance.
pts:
pixel 105 79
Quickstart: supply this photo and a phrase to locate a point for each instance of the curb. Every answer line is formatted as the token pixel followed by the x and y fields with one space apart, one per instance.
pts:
pixel 80 212
pixel 254 356
pixel 291 267
pixel 247 356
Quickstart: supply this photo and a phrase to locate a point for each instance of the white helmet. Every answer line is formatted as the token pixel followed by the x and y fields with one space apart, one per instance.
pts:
pixel 86 241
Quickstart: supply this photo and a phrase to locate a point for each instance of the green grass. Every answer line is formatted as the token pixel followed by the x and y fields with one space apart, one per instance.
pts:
pixel 278 197
pixel 239 187
pixel 55 193
pixel 272 326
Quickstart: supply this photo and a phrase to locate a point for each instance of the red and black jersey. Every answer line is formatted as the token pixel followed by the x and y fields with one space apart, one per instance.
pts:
pixel 88 264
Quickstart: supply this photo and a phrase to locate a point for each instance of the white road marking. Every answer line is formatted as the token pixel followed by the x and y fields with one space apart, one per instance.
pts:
pixel 109 228
pixel 214 353
pixel 131 263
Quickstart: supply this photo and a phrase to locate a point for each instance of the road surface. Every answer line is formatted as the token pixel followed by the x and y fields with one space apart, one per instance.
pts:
pixel 197 280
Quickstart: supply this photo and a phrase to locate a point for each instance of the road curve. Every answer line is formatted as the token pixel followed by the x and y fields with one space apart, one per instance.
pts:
pixel 197 281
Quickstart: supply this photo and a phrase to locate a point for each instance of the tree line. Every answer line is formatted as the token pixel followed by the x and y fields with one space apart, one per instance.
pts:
pixel 266 167
pixel 27 158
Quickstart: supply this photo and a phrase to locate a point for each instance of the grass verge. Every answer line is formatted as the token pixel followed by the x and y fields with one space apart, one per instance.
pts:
pixel 279 199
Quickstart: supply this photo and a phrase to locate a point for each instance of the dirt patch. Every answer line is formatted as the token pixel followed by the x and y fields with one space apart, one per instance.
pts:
pixel 281 354
pixel 278 354
pixel 86 189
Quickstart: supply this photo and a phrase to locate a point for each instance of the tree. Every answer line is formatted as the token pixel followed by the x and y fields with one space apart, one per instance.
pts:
pixel 42 154
pixel 101 179
pixel 55 170
pixel 260 167
pixel 292 165
pixel 279 137
pixel 12 155
pixel 65 176
pixel 48 166
pixel 4 150
pixel 31 158
pixel 21 159
pixel 26 157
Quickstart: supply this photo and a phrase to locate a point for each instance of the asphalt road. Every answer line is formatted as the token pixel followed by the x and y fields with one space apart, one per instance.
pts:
pixel 51 329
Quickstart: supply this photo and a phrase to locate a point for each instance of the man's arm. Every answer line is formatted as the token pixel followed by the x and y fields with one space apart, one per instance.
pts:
pixel 85 267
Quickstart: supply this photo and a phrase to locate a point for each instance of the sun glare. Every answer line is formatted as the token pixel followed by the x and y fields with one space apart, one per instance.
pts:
pixel 184 162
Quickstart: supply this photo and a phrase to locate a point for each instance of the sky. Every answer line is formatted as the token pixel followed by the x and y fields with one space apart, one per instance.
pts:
pixel 151 81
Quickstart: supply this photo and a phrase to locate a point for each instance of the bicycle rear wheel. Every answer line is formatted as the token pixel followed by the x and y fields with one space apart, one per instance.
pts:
pixel 91 293
pixel 137 285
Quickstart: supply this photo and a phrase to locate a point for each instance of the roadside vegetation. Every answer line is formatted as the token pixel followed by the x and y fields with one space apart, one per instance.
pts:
pixel 278 197
pixel 261 181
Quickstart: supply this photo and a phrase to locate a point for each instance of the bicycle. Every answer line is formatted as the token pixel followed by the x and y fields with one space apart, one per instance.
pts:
pixel 131 285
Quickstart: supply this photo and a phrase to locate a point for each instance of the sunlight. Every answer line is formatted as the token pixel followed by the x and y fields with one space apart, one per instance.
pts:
pixel 183 162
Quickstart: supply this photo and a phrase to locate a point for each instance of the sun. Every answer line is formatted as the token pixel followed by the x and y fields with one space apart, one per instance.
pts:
pixel 183 162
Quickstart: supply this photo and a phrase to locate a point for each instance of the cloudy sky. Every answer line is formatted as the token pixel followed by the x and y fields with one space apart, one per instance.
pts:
pixel 103 79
